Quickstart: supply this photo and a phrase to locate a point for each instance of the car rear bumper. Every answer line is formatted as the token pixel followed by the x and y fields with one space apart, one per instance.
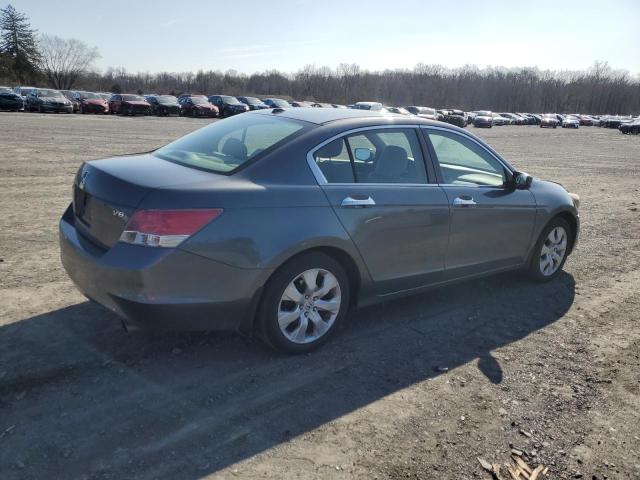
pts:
pixel 160 288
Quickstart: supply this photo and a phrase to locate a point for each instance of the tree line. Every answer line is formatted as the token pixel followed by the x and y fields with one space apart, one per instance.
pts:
pixel 68 64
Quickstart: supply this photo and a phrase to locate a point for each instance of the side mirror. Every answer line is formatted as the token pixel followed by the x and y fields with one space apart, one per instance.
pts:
pixel 362 154
pixel 522 181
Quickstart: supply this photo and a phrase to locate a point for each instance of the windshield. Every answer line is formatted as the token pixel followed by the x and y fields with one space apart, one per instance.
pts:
pixel 90 95
pixel 230 100
pixel 167 99
pixel 132 98
pixel 49 93
pixel 427 111
pixel 224 146
pixel 252 100
pixel 5 90
pixel 280 103
pixel 105 96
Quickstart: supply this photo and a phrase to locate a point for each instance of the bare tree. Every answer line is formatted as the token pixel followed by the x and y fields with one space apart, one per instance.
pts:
pixel 65 60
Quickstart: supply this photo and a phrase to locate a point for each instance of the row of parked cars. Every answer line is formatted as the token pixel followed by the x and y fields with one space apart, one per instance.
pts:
pixel 196 105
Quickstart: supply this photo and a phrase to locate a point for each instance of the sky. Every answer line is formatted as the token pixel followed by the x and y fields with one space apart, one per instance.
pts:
pixel 257 35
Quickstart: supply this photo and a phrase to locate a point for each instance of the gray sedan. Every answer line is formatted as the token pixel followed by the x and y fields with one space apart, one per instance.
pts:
pixel 277 221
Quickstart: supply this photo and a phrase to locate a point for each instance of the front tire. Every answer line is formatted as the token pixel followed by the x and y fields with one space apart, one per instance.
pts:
pixel 551 250
pixel 304 302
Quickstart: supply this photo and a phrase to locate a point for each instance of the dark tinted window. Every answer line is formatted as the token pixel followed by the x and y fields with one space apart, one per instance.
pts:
pixel 394 156
pixel 333 160
pixel 374 156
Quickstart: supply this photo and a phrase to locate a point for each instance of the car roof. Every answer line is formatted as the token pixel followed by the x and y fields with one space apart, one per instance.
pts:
pixel 321 116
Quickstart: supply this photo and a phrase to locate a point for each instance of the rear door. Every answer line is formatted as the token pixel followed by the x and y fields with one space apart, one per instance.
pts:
pixel 376 181
pixel 491 223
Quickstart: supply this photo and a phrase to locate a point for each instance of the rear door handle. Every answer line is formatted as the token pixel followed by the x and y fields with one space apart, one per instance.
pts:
pixel 358 201
pixel 464 200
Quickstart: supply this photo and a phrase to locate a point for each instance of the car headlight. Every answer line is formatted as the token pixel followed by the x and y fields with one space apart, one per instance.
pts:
pixel 575 198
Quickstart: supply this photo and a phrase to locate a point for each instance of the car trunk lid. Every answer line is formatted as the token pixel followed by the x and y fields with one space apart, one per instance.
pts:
pixel 107 192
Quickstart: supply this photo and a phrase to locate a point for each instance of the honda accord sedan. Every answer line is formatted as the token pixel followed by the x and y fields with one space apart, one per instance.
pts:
pixel 277 222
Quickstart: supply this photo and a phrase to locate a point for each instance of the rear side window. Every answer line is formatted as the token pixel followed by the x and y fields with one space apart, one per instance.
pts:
pixel 385 156
pixel 334 162
pixel 224 146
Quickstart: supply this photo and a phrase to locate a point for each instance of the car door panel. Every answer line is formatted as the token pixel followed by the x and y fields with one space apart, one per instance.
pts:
pixel 402 237
pixel 490 234
pixel 491 222
pixel 396 219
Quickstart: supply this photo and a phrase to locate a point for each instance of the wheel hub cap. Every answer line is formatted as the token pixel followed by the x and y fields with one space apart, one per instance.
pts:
pixel 309 306
pixel 553 251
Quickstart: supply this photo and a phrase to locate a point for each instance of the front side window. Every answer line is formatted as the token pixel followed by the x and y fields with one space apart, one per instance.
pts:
pixel 385 156
pixel 463 162
pixel 224 146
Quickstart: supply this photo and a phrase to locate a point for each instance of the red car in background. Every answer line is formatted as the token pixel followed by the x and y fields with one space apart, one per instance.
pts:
pixel 197 106
pixel 128 104
pixel 89 102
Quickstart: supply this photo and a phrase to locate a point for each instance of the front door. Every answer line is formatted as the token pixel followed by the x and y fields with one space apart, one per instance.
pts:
pixel 377 184
pixel 491 223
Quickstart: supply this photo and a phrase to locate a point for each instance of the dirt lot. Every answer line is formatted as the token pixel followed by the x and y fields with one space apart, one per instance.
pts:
pixel 417 388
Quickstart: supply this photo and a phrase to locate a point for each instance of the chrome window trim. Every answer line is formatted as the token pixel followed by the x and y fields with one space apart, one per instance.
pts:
pixel 464 135
pixel 321 179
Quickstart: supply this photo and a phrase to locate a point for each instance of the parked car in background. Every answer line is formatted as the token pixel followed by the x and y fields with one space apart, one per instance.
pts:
pixel 70 95
pixel 427 113
pixel 585 120
pixel 514 119
pixel 570 122
pixel 254 103
pixel 280 234
pixel 612 121
pixel 227 105
pixel 321 105
pixel 373 106
pixel 549 120
pixel 398 110
pixel 164 105
pixel 454 117
pixel 337 105
pixel 129 104
pixel 47 100
pixel 9 100
pixel 23 92
pixel 483 119
pixel 297 103
pixel 197 106
pixel 500 121
pixel 276 103
pixel 632 127
pixel 89 102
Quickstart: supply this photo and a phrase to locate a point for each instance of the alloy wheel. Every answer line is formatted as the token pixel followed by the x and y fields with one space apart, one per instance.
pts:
pixel 553 251
pixel 309 306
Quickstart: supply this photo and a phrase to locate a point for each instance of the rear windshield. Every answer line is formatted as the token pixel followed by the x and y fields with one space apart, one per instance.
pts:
pixel 225 145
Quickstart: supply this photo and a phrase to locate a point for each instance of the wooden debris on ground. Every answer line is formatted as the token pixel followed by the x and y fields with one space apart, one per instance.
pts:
pixel 517 469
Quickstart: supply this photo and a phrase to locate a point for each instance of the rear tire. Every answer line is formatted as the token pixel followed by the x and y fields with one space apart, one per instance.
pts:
pixel 551 251
pixel 292 318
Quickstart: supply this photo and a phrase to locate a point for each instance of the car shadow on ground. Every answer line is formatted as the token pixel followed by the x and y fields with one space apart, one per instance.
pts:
pixel 80 398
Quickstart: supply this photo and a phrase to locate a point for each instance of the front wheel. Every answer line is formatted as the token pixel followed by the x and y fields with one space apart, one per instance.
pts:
pixel 550 251
pixel 304 302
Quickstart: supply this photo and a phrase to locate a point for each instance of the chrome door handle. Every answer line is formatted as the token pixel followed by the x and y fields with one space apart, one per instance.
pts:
pixel 464 201
pixel 359 201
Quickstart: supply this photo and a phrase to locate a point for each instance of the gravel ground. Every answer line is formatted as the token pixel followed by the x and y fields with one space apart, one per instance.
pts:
pixel 417 388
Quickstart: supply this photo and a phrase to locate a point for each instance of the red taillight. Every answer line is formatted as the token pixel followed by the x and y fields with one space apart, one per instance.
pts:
pixel 166 228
